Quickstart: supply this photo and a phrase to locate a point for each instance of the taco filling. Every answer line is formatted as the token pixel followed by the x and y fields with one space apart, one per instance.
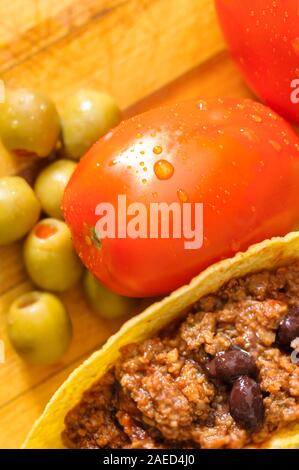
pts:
pixel 223 376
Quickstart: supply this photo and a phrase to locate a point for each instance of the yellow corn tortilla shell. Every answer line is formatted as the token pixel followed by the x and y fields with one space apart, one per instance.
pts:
pixel 46 432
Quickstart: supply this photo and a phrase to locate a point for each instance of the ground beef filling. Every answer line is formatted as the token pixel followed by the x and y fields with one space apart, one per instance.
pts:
pixel 184 388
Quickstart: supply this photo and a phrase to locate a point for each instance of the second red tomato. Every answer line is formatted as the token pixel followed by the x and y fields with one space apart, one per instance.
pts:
pixel 263 36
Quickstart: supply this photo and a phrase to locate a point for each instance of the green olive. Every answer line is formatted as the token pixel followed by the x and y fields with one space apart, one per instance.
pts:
pixel 87 117
pixel 29 122
pixel 39 327
pixel 50 258
pixel 19 209
pixel 50 185
pixel 105 302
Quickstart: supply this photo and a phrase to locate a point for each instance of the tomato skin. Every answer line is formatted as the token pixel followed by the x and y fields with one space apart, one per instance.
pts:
pixel 237 157
pixel 263 37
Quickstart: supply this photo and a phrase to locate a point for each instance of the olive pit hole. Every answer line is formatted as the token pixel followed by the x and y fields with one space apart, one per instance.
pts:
pixel 28 300
pixel 45 231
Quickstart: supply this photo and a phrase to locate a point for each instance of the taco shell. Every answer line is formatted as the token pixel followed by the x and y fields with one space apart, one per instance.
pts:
pixel 270 254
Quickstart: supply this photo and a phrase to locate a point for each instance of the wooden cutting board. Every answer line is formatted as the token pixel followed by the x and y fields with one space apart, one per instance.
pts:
pixel 145 53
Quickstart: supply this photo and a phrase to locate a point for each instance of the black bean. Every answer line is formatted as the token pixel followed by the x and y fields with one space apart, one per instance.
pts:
pixel 288 328
pixel 228 365
pixel 210 368
pixel 294 310
pixel 246 403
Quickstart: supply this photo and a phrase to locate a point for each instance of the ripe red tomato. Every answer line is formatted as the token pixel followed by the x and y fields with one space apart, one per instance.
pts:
pixel 237 157
pixel 263 36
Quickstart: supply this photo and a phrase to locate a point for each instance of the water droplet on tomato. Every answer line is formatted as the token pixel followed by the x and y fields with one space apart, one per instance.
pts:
pixel 141 163
pixel 163 169
pixel 249 133
pixel 295 45
pixel 202 105
pixel 256 118
pixel 145 169
pixel 273 116
pixel 112 162
pixel 144 181
pixel 108 135
pixel 275 145
pixel 235 246
pixel 182 195
pixel 88 240
pixel 157 149
pixel 138 135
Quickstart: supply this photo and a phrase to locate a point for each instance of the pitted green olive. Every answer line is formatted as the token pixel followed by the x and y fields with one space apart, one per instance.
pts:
pixel 106 303
pixel 19 209
pixel 29 122
pixel 86 117
pixel 39 327
pixel 50 258
pixel 50 185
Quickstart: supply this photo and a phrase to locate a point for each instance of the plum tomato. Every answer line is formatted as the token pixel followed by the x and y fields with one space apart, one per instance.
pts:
pixel 237 158
pixel 263 37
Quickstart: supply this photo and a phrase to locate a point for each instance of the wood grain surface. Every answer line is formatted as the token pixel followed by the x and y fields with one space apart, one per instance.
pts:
pixel 146 53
